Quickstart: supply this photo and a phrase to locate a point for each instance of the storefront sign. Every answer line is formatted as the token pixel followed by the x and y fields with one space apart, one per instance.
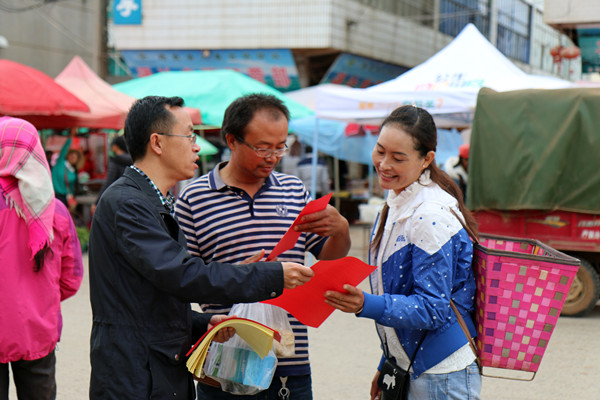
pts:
pixel 589 43
pixel 273 67
pixel 127 12
pixel 360 72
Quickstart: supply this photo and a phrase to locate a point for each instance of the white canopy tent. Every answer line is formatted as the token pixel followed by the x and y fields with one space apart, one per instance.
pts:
pixel 446 85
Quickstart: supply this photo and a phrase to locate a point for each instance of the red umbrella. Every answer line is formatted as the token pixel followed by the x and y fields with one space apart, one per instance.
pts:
pixel 28 91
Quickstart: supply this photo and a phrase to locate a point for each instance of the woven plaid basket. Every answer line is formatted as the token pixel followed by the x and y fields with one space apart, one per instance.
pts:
pixel 522 285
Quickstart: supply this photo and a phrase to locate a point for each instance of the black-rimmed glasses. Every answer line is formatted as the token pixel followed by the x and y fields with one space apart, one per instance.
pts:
pixel 266 153
pixel 191 138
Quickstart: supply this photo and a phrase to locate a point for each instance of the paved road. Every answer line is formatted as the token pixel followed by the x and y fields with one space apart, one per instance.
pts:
pixel 345 353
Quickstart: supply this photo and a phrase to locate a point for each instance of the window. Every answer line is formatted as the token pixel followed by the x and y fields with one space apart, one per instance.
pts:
pixel 514 22
pixel 420 11
pixel 455 14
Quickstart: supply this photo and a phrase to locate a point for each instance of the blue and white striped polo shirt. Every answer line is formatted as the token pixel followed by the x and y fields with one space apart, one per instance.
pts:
pixel 223 223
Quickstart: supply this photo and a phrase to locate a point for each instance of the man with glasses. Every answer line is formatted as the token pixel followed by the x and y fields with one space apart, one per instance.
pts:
pixel 243 207
pixel 142 279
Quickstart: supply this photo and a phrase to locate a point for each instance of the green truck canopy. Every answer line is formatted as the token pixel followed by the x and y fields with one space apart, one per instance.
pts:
pixel 536 149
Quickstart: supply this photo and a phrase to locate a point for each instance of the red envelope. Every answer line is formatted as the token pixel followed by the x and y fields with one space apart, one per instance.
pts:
pixel 307 302
pixel 291 236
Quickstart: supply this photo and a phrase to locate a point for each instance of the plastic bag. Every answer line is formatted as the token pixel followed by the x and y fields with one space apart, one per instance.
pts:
pixel 275 318
pixel 236 366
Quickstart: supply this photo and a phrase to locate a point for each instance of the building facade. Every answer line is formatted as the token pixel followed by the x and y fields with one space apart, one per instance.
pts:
pixel 297 43
pixel 47 34
pixel 580 20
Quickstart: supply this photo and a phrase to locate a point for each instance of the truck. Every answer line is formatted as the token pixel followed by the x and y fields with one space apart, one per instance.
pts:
pixel 534 172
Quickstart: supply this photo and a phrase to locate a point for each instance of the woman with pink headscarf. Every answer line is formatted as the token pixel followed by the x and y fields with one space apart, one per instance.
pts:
pixel 41 263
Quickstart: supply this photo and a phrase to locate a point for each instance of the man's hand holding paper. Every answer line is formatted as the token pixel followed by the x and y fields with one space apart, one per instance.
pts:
pixel 295 275
pixel 322 219
pixel 224 334
pixel 327 222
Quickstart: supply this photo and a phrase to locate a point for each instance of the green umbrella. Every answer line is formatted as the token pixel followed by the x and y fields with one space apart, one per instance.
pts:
pixel 211 91
pixel 206 147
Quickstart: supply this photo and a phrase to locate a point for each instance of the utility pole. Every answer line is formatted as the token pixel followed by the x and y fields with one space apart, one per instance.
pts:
pixel 103 37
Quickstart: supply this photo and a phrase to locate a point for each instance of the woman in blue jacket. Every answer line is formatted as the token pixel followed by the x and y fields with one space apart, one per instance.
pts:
pixel 423 255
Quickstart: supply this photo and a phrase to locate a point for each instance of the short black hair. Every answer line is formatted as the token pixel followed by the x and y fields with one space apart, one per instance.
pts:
pixel 241 111
pixel 148 115
pixel 119 141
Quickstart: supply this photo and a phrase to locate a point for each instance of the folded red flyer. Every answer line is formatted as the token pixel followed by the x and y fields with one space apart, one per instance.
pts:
pixel 291 236
pixel 307 302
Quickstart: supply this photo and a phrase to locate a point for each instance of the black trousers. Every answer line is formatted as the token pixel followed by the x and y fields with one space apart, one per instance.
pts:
pixel 34 379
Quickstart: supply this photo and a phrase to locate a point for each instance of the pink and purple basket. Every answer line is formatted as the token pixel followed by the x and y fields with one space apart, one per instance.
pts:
pixel 522 285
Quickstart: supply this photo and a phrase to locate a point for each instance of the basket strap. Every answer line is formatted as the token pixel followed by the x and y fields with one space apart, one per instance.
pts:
pixel 463 325
pixel 472 236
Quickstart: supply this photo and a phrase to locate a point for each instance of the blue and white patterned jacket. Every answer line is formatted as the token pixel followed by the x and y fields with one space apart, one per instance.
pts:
pixel 424 259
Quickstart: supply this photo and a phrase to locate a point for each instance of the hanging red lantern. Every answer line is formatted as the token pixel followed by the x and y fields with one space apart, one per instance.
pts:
pixel 570 52
pixel 555 52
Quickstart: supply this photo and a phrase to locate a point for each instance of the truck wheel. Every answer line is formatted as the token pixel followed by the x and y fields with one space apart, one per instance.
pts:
pixel 584 292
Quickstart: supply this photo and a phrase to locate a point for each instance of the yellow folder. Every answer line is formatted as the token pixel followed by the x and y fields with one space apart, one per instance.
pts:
pixel 258 336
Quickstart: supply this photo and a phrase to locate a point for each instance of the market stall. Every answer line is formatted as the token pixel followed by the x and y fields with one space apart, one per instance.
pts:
pixel 446 85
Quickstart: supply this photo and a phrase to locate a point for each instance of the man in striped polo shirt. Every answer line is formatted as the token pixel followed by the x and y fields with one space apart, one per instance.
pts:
pixel 243 207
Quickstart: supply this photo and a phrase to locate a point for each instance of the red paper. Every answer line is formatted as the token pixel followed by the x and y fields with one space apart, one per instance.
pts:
pixel 291 236
pixel 307 302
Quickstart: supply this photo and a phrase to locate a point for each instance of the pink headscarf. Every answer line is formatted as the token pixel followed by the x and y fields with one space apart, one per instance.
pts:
pixel 25 179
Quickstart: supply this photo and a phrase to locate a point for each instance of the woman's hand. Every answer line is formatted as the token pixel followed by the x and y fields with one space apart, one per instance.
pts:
pixel 351 302
pixel 375 391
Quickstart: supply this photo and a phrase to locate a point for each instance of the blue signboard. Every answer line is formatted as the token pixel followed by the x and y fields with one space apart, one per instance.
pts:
pixel 127 12
pixel 274 67
pixel 360 72
pixel 589 43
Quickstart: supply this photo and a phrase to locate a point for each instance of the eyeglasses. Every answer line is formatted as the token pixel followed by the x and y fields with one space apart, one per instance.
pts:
pixel 266 153
pixel 191 138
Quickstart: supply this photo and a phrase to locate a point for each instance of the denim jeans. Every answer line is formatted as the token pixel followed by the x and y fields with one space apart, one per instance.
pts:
pixel 300 389
pixel 460 385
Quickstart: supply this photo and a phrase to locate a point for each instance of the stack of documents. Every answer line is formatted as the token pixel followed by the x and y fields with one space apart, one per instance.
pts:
pixel 258 336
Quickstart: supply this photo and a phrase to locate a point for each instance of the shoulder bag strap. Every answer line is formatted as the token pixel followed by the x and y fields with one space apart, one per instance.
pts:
pixel 387 354
pixel 416 350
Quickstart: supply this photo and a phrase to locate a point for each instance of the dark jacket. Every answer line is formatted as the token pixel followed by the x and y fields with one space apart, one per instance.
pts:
pixel 116 166
pixel 142 281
